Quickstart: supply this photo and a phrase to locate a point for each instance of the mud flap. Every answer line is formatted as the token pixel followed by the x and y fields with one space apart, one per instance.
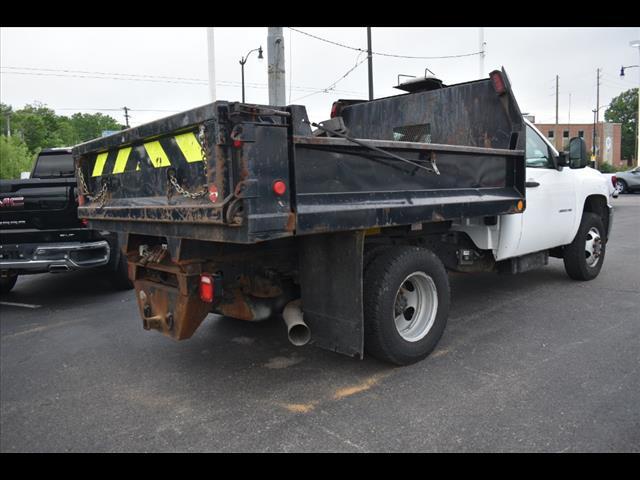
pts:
pixel 331 285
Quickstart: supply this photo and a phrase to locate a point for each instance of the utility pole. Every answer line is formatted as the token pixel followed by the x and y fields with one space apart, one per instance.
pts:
pixel 482 52
pixel 275 69
pixel 211 60
pixel 8 124
pixel 126 115
pixel 596 137
pixel 370 61
pixel 555 138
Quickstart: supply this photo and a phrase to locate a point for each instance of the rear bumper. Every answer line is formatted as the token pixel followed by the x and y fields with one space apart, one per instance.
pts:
pixel 53 257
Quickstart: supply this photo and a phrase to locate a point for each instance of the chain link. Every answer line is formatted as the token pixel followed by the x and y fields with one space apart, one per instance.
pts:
pixel 204 151
pixel 101 197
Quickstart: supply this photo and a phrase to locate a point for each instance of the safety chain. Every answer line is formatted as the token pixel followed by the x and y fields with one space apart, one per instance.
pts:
pixel 204 151
pixel 100 197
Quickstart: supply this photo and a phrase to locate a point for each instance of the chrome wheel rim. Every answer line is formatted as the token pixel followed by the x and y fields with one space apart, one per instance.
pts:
pixel 416 306
pixel 593 247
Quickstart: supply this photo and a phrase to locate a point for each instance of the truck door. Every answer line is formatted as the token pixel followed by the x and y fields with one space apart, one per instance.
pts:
pixel 551 199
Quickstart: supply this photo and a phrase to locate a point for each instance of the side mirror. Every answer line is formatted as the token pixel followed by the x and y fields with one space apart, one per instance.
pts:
pixel 578 157
pixel 562 160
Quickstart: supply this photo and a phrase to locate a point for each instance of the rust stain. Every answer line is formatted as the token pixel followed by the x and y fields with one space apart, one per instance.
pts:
pixel 440 352
pixel 282 362
pixel 300 407
pixel 361 387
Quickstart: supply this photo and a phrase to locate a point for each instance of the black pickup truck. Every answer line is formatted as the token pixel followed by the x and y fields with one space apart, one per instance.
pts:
pixel 40 230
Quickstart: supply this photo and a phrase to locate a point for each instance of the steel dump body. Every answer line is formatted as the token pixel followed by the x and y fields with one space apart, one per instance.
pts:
pixel 152 180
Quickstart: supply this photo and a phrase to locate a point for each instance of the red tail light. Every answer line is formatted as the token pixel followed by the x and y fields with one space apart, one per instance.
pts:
pixel 81 200
pixel 279 187
pixel 498 82
pixel 213 193
pixel 335 109
pixel 84 222
pixel 237 143
pixel 614 181
pixel 206 288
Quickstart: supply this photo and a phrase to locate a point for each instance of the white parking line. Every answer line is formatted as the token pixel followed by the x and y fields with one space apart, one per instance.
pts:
pixel 24 305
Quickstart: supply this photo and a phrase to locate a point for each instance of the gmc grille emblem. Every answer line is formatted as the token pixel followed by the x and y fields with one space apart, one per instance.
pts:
pixel 12 202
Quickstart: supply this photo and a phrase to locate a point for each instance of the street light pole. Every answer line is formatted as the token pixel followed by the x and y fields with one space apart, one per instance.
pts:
pixel 636 44
pixel 243 60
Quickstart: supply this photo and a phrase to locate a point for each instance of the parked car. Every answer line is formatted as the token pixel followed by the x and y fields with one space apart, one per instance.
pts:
pixel 40 230
pixel 629 181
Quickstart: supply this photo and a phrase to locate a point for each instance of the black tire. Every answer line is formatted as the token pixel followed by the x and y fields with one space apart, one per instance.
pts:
pixel 382 282
pixel 120 276
pixel 576 258
pixel 7 283
pixel 371 254
pixel 622 186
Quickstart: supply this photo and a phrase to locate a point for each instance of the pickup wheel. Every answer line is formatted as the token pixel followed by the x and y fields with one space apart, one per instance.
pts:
pixel 583 258
pixel 406 304
pixel 7 283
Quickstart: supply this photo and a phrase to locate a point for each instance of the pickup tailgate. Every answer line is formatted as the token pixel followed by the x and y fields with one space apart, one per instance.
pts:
pixel 38 203
pixel 192 175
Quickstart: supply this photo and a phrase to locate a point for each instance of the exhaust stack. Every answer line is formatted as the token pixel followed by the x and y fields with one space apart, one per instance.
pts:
pixel 297 330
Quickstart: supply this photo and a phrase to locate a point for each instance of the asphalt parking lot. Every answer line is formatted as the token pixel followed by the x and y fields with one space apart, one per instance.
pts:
pixel 535 362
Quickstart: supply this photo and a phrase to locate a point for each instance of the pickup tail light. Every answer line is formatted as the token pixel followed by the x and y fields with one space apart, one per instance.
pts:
pixel 335 109
pixel 207 288
pixel 498 82
pixel 614 181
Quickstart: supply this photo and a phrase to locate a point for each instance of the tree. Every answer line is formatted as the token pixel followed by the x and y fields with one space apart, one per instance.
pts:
pixel 5 114
pixel 14 157
pixel 40 127
pixel 624 109
pixel 88 126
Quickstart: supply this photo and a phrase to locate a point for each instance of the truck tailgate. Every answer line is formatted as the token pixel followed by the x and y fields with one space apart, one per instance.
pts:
pixel 192 175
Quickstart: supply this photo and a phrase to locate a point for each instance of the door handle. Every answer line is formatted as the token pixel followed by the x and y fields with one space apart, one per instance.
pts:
pixel 531 184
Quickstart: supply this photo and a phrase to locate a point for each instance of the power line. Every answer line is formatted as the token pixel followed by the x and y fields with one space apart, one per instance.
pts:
pixel 383 54
pixel 140 78
pixel 330 87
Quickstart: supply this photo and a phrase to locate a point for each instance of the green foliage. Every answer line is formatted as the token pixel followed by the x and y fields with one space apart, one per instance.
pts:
pixel 40 127
pixel 15 157
pixel 88 126
pixel 36 126
pixel 608 168
pixel 624 109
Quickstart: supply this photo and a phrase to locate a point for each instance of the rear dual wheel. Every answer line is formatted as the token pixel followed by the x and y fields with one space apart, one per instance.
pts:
pixel 406 294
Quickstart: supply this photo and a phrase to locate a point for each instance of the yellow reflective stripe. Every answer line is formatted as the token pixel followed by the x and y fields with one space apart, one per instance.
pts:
pixel 121 160
pixel 157 155
pixel 101 159
pixel 189 147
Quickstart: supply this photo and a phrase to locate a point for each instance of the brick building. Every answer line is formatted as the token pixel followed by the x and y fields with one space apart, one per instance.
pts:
pixel 608 139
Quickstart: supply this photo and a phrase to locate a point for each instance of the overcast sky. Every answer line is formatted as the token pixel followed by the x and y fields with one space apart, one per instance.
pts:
pixel 531 56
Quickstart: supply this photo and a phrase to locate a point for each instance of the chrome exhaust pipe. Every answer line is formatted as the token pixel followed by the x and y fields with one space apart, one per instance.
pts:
pixel 298 331
pixel 58 268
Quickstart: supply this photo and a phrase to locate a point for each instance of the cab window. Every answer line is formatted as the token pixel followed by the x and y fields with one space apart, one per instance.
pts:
pixel 537 151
